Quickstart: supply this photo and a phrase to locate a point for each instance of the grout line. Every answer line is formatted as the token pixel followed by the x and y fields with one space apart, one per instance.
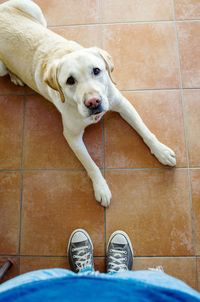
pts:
pixel 49 256
pixel 20 222
pixel 20 214
pixel 11 94
pixel 23 130
pixel 106 169
pixel 21 174
pixel 192 211
pixel 131 22
pixel 103 141
pixel 186 138
pixel 158 89
pixel 148 89
pixel 181 90
pixel 121 89
pixel 101 257
pixel 44 170
pixel 22 177
pixel 147 169
pixel 197 277
pixel 197 274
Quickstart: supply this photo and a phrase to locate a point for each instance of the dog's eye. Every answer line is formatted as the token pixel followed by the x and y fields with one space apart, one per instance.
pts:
pixel 96 71
pixel 71 81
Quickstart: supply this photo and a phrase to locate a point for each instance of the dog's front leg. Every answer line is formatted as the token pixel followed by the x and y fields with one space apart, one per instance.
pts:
pixel 101 189
pixel 163 153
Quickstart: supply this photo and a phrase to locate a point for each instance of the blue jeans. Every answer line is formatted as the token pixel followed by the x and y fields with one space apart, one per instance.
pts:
pixel 155 281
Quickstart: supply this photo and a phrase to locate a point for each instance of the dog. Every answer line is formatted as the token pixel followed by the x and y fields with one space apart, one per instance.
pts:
pixel 75 79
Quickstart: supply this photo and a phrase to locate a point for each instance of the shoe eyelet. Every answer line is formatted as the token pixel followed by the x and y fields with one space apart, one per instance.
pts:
pixel 125 252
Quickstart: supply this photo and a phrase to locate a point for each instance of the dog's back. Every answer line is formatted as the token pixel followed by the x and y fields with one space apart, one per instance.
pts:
pixel 25 40
pixel 19 21
pixel 29 8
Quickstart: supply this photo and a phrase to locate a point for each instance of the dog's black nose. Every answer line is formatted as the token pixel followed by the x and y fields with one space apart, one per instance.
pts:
pixel 96 110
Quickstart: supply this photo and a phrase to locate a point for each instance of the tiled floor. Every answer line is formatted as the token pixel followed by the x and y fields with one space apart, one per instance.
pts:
pixel 44 191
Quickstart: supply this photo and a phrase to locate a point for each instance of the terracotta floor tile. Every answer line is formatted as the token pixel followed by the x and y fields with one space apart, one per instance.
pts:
pixel 99 264
pixel 187 9
pixel 10 212
pixel 54 204
pixel 181 268
pixel 128 10
pixel 13 271
pixel 29 91
pixel 153 207
pixel 7 87
pixel 45 145
pixel 65 12
pixel 195 176
pixel 189 38
pixel 88 36
pixel 28 264
pixel 145 55
pixel 11 123
pixel 162 112
pixel 191 100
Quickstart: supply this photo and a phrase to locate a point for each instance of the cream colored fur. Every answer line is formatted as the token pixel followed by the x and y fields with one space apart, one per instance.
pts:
pixel 32 54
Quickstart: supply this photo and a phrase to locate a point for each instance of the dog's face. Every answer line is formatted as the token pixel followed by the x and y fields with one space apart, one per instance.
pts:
pixel 82 78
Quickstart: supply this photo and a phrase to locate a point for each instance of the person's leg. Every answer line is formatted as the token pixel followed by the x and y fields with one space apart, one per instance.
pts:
pixel 80 252
pixel 119 253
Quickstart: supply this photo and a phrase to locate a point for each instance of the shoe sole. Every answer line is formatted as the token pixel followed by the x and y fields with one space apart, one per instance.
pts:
pixel 75 231
pixel 121 233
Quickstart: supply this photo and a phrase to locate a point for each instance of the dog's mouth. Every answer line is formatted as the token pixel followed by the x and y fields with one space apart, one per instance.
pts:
pixel 97 113
pixel 97 116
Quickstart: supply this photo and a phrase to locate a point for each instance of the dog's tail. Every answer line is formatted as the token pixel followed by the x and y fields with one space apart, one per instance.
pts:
pixel 30 8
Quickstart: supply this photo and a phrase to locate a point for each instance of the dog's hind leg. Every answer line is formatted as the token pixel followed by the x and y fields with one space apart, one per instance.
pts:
pixel 14 79
pixel 3 69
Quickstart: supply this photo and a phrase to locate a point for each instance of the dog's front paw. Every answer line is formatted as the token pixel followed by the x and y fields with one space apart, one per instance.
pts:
pixel 102 193
pixel 164 154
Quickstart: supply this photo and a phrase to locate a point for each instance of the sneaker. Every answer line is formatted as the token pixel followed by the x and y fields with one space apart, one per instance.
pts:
pixel 80 251
pixel 119 253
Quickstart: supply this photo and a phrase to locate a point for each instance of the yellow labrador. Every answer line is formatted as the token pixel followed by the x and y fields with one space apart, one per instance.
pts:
pixel 76 80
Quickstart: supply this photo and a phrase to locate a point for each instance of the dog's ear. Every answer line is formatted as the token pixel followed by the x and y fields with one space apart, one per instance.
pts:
pixel 50 72
pixel 107 59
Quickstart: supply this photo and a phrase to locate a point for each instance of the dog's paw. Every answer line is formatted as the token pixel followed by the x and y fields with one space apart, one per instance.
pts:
pixel 164 154
pixel 102 193
pixel 14 79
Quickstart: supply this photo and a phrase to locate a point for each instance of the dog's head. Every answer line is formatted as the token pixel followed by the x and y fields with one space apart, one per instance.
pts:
pixel 83 78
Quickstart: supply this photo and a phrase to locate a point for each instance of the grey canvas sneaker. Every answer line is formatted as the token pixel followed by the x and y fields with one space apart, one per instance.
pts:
pixel 119 253
pixel 80 251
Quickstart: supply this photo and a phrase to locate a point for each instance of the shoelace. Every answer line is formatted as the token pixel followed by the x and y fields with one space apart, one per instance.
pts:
pixel 117 261
pixel 82 257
